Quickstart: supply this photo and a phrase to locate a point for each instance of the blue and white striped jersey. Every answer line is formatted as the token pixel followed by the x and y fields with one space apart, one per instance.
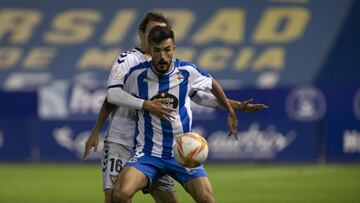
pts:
pixel 154 136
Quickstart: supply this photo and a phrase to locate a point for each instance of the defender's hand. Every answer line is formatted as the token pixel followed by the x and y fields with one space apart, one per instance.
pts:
pixel 92 141
pixel 158 108
pixel 233 123
pixel 247 106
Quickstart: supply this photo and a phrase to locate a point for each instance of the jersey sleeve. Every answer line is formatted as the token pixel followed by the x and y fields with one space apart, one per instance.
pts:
pixel 120 68
pixel 200 79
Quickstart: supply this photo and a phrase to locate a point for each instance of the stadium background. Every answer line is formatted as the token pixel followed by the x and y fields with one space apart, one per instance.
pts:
pixel 300 57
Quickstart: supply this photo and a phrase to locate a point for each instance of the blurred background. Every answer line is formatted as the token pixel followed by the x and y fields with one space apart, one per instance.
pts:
pixel 299 57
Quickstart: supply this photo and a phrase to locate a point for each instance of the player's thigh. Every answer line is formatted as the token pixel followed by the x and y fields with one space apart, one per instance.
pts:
pixel 113 160
pixel 163 190
pixel 129 181
pixel 200 189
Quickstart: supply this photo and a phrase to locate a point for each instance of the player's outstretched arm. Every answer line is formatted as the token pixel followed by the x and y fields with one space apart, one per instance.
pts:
pixel 93 139
pixel 119 97
pixel 246 106
pixel 158 108
pixel 209 100
pixel 220 96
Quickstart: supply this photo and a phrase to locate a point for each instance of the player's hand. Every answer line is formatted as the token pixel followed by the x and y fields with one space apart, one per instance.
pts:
pixel 92 141
pixel 233 123
pixel 247 106
pixel 158 108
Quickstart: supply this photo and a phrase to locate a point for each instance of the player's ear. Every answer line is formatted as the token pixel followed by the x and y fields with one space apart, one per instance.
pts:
pixel 141 34
pixel 174 47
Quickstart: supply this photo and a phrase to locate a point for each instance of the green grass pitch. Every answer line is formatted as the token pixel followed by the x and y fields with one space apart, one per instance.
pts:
pixel 45 183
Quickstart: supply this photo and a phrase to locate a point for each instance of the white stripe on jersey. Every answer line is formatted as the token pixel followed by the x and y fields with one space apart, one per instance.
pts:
pixel 121 129
pixel 155 136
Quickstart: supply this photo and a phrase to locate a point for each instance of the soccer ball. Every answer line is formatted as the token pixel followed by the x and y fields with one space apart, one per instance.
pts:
pixel 190 150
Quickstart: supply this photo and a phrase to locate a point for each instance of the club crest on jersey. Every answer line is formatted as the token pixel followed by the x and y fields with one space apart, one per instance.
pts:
pixel 170 100
pixel 117 73
pixel 179 76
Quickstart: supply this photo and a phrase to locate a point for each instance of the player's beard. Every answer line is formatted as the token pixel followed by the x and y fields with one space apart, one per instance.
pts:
pixel 163 66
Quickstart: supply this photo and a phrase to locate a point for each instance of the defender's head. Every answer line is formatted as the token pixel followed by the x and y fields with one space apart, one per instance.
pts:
pixel 151 20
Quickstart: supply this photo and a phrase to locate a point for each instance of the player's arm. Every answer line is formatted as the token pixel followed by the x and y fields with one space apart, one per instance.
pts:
pixel 93 139
pixel 117 96
pixel 221 97
pixel 209 100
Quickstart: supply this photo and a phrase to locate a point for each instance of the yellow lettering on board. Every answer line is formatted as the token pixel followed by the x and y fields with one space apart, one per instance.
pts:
pixel 181 22
pixel 18 23
pixel 271 58
pixel 9 56
pixel 119 27
pixel 215 59
pixel 97 58
pixel 244 58
pixel 39 57
pixel 294 21
pixel 73 27
pixel 227 26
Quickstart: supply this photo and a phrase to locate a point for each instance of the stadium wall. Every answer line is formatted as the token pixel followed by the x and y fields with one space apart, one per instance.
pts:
pixel 298 57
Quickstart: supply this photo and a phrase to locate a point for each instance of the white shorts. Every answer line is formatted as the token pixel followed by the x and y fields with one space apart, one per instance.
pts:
pixel 115 157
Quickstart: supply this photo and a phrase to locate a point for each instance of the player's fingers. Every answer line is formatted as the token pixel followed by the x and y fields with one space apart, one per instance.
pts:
pixel 169 109
pixel 247 101
pixel 96 146
pixel 160 101
pixel 168 116
pixel 86 152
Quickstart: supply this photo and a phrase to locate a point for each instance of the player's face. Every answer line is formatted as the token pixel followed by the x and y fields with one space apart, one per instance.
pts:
pixel 162 55
pixel 144 35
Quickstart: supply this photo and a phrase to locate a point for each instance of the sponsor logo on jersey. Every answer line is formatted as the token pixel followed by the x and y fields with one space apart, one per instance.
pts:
pixel 170 100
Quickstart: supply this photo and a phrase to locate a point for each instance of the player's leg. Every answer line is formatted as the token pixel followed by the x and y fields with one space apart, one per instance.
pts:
pixel 136 175
pixel 194 180
pixel 163 190
pixel 108 195
pixel 113 160
pixel 200 189
pixel 130 181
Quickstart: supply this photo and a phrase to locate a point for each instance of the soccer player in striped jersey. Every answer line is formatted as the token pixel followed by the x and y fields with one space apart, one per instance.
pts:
pixel 119 139
pixel 171 81
pixel 119 136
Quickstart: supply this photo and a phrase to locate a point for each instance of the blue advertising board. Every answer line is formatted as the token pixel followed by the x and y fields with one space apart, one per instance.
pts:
pixel 242 43
pixel 342 124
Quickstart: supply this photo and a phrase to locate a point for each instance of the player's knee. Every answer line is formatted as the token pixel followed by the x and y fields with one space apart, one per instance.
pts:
pixel 164 196
pixel 206 197
pixel 122 195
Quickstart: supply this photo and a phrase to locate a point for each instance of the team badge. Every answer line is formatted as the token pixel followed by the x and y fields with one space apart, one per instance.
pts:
pixel 117 73
pixel 179 76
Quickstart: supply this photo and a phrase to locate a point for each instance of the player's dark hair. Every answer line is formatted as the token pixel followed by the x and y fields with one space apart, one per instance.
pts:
pixel 158 34
pixel 153 16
